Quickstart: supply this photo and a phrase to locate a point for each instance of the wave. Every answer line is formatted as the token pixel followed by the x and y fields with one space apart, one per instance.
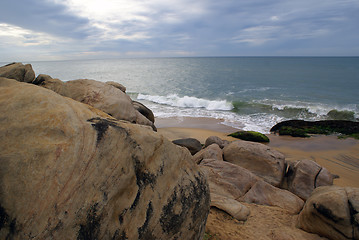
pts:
pixel 255 115
pixel 297 109
pixel 187 102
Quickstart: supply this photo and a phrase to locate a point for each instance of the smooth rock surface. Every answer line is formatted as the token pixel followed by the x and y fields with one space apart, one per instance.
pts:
pixel 100 95
pixel 41 78
pixel 304 176
pixel 258 158
pixel 192 144
pixel 145 111
pixel 213 151
pixel 332 212
pixel 265 194
pixel 117 85
pixel 18 71
pixel 214 139
pixel 234 182
pixel 231 206
pixel 70 171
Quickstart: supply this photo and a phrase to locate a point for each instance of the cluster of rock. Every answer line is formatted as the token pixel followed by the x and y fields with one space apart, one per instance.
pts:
pixel 71 171
pixel 108 97
pixel 242 171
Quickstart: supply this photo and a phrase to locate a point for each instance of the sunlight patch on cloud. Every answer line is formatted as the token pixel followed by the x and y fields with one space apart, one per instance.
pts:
pixel 274 18
pixel 131 20
pixel 14 35
pixel 257 35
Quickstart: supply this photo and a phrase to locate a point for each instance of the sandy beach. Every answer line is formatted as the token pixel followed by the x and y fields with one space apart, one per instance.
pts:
pixel 339 156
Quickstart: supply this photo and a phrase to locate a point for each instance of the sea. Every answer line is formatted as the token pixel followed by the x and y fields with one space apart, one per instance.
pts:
pixel 249 93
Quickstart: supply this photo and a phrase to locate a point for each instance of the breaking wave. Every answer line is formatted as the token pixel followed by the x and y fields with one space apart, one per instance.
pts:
pixel 188 102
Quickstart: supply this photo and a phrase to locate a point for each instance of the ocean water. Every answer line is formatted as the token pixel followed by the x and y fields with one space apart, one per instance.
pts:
pixel 250 93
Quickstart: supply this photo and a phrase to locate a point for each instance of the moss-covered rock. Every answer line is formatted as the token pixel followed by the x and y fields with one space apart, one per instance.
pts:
pixel 292 131
pixel 300 128
pixel 250 136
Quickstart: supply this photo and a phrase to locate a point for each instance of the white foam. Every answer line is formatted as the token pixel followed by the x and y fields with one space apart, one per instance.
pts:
pixel 187 102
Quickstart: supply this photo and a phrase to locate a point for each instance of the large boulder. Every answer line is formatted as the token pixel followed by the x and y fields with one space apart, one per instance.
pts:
pixel 213 151
pixel 265 194
pixel 18 71
pixel 227 179
pixel 258 158
pixel 304 176
pixel 332 212
pixel 100 95
pixel 192 144
pixel 234 182
pixel 70 171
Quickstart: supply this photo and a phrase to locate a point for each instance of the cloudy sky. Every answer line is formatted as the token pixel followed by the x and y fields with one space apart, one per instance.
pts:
pixel 87 29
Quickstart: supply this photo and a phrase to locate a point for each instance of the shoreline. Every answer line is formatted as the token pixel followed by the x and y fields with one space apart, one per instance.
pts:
pixel 339 156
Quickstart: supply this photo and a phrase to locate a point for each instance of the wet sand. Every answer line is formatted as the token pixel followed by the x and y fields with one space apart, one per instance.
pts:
pixel 339 156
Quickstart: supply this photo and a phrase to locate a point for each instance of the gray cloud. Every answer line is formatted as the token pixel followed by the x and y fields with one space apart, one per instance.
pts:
pixel 88 29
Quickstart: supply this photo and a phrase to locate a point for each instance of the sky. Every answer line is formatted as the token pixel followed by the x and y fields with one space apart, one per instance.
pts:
pixel 32 30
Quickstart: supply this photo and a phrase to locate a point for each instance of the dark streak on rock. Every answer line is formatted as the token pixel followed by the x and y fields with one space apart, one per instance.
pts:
pixel 143 232
pixel 91 229
pixel 322 211
pixel 119 236
pixel 135 202
pixel 142 179
pixel 327 213
pixel 193 198
pixel 105 196
pixel 6 222
pixel 12 227
pixel 101 125
pixel 353 221
pixel 316 176
pixel 120 217
pixel 201 197
pixel 4 217
pixel 101 128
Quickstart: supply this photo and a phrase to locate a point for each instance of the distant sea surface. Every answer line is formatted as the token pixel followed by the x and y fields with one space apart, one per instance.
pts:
pixel 251 93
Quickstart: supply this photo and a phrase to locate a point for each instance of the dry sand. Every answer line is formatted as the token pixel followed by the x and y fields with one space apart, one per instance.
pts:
pixel 339 156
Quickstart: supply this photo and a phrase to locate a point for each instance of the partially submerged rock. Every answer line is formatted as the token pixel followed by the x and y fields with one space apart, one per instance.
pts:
pixel 258 158
pixel 192 144
pixel 70 171
pixel 250 136
pixel 301 128
pixel 18 71
pixel 332 212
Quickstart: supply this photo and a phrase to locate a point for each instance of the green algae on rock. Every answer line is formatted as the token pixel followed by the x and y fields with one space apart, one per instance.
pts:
pixel 250 136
